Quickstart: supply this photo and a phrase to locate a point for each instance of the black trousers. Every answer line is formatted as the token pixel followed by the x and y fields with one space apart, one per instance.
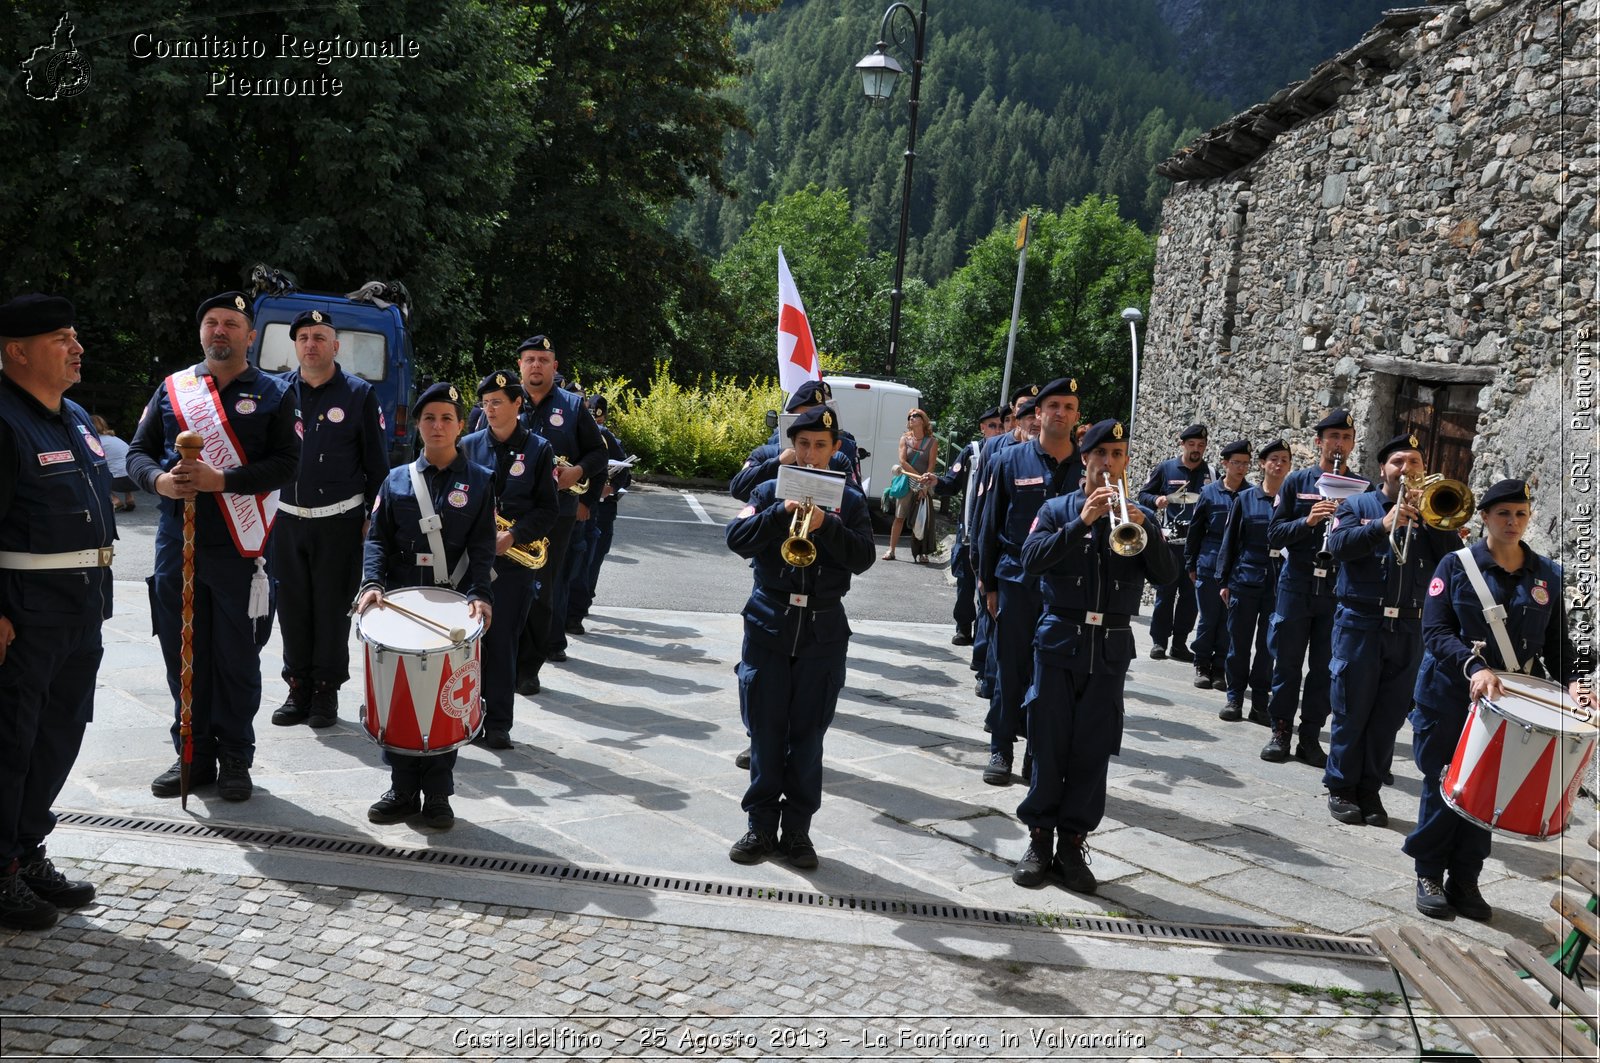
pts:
pixel 533 646
pixel 316 565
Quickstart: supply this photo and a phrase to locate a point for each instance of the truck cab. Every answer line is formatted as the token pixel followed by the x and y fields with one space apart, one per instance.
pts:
pixel 374 343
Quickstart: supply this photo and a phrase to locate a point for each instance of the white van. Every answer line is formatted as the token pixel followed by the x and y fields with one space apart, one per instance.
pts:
pixel 874 411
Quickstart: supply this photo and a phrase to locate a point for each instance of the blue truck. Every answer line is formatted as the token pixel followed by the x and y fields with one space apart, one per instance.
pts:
pixel 374 341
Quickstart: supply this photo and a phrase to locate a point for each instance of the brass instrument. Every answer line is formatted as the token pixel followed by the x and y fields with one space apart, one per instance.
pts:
pixel 579 488
pixel 1127 538
pixel 798 549
pixel 1443 504
pixel 529 555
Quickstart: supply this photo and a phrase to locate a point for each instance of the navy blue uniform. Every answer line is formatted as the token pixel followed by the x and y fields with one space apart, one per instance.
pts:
pixel 1175 609
pixel 955 481
pixel 566 424
pixel 55 496
pixel 1023 478
pixel 227 641
pixel 1080 659
pixel 985 660
pixel 1452 619
pixel 1202 547
pixel 602 528
pixel 1301 629
pixel 462 494
pixel 523 478
pixel 792 664
pixel 1248 566
pixel 1377 640
pixel 316 559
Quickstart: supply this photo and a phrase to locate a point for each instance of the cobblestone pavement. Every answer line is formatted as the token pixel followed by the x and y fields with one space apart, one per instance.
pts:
pixel 175 965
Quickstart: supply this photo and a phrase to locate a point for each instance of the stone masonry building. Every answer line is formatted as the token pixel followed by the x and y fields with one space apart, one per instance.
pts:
pixel 1409 232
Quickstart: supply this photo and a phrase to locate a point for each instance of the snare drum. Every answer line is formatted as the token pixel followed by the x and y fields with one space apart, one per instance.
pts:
pixel 424 692
pixel 1521 759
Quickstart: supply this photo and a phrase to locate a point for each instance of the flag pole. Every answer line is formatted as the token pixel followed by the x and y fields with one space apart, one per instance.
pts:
pixel 1016 307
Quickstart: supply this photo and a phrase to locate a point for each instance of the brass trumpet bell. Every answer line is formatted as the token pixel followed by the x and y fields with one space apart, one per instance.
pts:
pixel 1446 504
pixel 579 488
pixel 529 555
pixel 798 549
pixel 1127 538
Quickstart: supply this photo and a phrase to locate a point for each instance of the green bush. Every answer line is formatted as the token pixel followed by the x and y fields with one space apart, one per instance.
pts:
pixel 707 429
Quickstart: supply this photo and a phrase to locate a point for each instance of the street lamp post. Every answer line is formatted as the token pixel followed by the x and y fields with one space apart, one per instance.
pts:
pixel 1132 316
pixel 878 74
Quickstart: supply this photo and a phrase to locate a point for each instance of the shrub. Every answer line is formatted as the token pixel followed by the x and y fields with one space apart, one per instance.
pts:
pixel 706 429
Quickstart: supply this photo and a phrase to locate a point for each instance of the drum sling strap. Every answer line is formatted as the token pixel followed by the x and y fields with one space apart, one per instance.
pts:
pixel 1493 612
pixel 430 525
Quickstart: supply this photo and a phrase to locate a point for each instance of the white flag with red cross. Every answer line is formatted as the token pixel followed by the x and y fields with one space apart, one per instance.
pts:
pixel 797 351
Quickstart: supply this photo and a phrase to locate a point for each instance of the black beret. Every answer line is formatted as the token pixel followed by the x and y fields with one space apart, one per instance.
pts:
pixel 502 380
pixel 1336 419
pixel 1275 445
pixel 1505 491
pixel 1025 405
pixel 443 391
pixel 1107 431
pixel 238 302
pixel 1027 391
pixel 1194 431
pixel 597 403
pixel 993 413
pixel 1060 386
pixel 1238 446
pixel 1404 441
pixel 816 419
pixel 310 317
pixel 540 342
pixel 810 393
pixel 34 315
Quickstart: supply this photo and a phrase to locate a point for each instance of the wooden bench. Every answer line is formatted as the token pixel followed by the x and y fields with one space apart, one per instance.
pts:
pixel 1580 926
pixel 1481 996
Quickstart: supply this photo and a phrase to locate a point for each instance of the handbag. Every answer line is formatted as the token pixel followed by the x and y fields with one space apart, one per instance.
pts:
pixel 898 487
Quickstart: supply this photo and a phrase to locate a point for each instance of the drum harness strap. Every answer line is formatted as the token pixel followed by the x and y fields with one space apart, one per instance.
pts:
pixel 430 525
pixel 1493 612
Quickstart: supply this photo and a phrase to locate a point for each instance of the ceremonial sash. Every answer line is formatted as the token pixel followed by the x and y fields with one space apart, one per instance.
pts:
pixel 197 405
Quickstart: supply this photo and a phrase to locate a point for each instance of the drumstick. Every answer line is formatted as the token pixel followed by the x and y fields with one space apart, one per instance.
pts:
pixel 458 634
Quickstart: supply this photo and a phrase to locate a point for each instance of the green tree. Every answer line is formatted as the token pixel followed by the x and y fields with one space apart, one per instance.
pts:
pixel 1085 264
pixel 845 289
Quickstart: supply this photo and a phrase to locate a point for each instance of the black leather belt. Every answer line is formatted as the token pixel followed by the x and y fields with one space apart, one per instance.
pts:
pixel 1109 621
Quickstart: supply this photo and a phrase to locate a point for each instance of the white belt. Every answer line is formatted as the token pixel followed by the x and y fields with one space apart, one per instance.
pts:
pixel 313 512
pixel 100 558
pixel 1270 553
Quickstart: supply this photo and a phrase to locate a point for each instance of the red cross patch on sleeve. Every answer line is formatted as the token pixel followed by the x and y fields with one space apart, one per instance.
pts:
pixel 1436 588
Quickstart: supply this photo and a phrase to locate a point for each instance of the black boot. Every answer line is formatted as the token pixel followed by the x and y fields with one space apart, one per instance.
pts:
pixel 1276 751
pixel 1035 863
pixel 20 907
pixel 50 885
pixel 1073 856
pixel 324 711
pixel 297 706
pixel 1309 751
pixel 1202 677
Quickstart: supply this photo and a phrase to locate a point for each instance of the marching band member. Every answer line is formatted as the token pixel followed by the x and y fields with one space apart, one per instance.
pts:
pixel 602 525
pixel 316 541
pixel 1377 630
pixel 1081 654
pixel 401 552
pixel 56 532
pixel 1201 549
pixel 1023 478
pixel 246 418
pixel 1452 677
pixel 1247 570
pixel 792 665
pixel 1301 631
pixel 524 484
pixel 809 396
pixel 956 481
pixel 1176 607
pixel 1019 423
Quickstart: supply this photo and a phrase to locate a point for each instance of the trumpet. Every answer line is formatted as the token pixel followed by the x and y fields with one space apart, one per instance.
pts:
pixel 1127 538
pixel 1443 504
pixel 798 549
pixel 579 488
pixel 529 555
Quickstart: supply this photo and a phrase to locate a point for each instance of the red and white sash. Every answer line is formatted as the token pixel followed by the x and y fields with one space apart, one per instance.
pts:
pixel 198 407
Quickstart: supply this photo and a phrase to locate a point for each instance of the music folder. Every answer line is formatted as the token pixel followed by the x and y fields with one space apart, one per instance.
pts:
pixel 823 487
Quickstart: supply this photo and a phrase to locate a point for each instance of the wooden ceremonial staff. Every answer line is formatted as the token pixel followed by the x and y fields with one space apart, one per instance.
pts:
pixel 189 444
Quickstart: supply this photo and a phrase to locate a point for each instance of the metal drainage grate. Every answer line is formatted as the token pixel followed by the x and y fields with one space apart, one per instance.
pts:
pixel 1232 937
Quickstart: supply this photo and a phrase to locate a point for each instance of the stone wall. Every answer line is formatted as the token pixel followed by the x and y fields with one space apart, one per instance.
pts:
pixel 1438 223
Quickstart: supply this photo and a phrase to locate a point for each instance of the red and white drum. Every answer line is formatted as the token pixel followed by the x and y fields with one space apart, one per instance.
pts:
pixel 1521 759
pixel 424 691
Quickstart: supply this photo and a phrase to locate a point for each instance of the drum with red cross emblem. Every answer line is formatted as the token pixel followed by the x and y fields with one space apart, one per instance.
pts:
pixel 424 690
